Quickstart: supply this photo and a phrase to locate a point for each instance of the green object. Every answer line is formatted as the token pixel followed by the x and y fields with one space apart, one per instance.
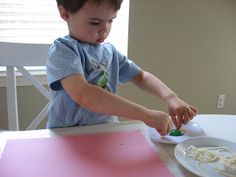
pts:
pixel 176 132
pixel 103 80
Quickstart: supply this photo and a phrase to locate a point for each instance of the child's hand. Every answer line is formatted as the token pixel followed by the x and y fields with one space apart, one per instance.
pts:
pixel 180 112
pixel 160 121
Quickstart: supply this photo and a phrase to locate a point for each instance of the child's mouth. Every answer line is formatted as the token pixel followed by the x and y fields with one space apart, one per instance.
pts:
pixel 100 40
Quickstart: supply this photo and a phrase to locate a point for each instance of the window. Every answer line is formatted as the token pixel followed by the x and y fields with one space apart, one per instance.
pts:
pixel 38 21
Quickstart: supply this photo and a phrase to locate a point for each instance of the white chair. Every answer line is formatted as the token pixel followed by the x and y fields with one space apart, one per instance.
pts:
pixel 19 55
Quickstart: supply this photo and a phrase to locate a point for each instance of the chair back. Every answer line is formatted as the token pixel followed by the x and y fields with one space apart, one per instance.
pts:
pixel 20 55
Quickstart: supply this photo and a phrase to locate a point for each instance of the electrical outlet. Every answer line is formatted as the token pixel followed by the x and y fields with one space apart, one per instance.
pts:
pixel 221 101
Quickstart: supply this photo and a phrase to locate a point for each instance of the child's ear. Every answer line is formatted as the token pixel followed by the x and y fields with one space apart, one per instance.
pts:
pixel 63 13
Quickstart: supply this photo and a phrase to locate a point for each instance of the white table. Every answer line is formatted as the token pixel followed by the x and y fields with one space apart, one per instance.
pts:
pixel 218 125
pixel 210 123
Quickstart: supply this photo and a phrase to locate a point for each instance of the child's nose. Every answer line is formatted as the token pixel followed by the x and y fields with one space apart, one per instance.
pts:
pixel 104 29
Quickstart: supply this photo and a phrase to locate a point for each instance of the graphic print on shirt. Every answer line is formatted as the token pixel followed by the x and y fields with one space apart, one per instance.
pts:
pixel 102 70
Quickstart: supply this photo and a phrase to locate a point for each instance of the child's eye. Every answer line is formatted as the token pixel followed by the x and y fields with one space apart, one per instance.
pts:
pixel 94 23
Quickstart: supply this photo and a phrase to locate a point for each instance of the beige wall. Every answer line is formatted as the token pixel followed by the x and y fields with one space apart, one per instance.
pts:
pixel 189 44
pixel 30 103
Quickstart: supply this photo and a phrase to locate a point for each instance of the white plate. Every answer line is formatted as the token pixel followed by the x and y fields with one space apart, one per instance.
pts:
pixel 191 130
pixel 205 169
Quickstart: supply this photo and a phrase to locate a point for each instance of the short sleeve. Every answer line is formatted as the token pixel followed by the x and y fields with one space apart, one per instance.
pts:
pixel 127 68
pixel 63 60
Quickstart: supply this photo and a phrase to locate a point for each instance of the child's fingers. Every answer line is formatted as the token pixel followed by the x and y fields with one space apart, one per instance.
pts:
pixel 174 119
pixel 187 117
pixel 163 131
pixel 189 113
pixel 166 128
pixel 194 110
pixel 160 132
pixel 180 119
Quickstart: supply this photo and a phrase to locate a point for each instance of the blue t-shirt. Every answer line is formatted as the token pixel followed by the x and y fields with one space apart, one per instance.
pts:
pixel 99 64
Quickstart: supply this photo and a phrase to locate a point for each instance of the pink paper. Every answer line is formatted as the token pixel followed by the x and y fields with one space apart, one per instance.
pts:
pixel 117 154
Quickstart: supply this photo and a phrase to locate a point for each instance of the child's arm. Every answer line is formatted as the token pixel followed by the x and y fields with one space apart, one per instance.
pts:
pixel 180 111
pixel 99 100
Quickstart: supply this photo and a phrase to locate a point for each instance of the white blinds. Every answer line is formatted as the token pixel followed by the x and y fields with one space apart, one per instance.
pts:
pixel 38 21
pixel 30 21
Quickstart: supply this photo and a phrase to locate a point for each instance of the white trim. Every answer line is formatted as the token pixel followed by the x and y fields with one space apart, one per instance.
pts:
pixel 12 108
pixel 22 81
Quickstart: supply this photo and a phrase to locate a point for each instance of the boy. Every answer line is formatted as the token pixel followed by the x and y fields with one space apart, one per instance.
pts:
pixel 84 73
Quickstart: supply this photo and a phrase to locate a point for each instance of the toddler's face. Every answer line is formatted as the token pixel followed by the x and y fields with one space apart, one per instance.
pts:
pixel 92 23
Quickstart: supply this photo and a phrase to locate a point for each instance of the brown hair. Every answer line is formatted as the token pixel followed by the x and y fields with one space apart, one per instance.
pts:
pixel 73 6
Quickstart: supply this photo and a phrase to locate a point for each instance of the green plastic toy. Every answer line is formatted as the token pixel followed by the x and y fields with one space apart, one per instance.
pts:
pixel 176 132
